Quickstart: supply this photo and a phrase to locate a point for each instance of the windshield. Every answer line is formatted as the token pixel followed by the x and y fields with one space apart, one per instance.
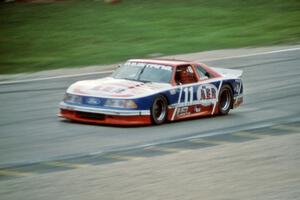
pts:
pixel 144 72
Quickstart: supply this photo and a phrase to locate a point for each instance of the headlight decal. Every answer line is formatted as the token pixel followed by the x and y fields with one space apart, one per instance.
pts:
pixel 120 103
pixel 71 98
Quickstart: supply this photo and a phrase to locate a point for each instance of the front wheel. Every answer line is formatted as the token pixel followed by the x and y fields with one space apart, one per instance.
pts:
pixel 159 110
pixel 225 100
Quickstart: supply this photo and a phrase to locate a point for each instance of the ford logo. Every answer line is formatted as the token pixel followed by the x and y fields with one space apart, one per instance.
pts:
pixel 93 101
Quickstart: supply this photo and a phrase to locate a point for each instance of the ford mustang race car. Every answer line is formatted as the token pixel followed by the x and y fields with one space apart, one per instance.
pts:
pixel 145 91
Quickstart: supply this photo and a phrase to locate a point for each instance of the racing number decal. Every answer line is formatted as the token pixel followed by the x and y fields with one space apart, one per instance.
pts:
pixel 188 92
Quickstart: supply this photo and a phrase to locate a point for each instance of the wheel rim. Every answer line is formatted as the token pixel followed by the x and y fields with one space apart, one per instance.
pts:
pixel 225 100
pixel 159 110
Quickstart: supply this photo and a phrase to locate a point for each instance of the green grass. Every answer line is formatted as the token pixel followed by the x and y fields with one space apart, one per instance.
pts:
pixel 74 33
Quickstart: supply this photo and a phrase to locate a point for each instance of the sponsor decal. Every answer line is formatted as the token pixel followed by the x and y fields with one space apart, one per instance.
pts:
pixel 93 101
pixel 207 94
pixel 156 66
pixel 183 111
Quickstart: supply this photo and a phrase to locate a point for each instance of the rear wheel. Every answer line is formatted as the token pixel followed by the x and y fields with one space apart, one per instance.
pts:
pixel 159 110
pixel 225 100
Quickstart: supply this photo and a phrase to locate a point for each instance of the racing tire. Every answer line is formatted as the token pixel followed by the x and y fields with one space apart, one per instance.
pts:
pixel 225 100
pixel 159 110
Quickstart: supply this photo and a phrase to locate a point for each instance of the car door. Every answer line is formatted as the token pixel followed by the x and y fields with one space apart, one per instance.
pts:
pixel 197 92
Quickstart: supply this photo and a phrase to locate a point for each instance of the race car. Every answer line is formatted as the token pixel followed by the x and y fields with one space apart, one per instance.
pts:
pixel 153 91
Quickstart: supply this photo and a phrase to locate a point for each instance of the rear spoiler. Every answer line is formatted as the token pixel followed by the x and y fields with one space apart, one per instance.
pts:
pixel 229 73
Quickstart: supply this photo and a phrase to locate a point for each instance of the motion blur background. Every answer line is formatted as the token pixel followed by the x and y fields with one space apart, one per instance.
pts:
pixel 46 34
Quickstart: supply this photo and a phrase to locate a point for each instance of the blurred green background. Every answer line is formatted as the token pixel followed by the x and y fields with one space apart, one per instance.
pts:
pixel 74 33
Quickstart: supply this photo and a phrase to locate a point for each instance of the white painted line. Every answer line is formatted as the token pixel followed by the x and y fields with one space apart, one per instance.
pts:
pixel 110 71
pixel 55 77
pixel 252 54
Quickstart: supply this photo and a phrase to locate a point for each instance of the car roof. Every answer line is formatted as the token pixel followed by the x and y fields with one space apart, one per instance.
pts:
pixel 170 62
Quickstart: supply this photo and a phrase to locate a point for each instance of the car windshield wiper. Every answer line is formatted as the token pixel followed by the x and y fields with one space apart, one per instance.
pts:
pixel 141 72
pixel 145 81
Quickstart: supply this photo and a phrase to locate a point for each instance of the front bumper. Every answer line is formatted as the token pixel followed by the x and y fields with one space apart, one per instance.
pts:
pixel 104 116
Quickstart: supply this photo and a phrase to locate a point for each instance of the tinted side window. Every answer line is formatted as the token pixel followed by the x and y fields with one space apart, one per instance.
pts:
pixel 203 73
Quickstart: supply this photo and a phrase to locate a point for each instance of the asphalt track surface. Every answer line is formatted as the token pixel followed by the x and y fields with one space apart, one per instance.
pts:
pixel 30 132
pixel 44 157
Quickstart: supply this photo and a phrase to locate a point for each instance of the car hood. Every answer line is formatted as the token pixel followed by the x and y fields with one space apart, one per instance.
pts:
pixel 116 88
